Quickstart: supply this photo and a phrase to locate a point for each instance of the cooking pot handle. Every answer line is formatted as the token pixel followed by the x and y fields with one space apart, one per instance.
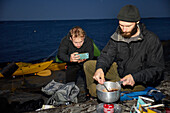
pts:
pixel 120 82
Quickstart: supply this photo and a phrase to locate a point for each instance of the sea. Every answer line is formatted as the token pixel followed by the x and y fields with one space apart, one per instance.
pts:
pixel 28 41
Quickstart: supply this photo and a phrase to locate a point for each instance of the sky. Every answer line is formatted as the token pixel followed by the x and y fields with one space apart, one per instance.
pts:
pixel 77 9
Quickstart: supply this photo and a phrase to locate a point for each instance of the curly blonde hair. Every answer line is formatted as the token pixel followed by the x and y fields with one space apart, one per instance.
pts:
pixel 77 32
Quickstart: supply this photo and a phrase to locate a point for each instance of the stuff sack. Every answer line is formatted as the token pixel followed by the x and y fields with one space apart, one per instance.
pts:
pixel 149 91
pixel 61 93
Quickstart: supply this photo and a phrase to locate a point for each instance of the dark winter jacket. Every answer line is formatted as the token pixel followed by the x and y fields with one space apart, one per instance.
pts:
pixel 66 48
pixel 140 56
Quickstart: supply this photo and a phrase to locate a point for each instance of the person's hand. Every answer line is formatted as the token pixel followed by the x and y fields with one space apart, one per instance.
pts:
pixel 128 80
pixel 74 57
pixel 99 76
pixel 82 60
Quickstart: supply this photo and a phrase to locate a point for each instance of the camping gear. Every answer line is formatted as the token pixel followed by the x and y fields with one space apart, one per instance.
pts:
pixel 149 91
pixel 44 107
pixel 52 66
pixel 44 73
pixel 157 94
pixel 56 66
pixel 111 96
pixel 106 88
pixel 61 93
pixel 1 75
pixel 9 70
pixel 22 68
pixel 33 68
pixel 96 50
pixel 100 108
pixel 147 105
pixel 108 108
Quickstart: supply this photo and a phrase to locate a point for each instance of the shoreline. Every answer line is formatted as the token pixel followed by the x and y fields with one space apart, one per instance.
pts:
pixel 164 43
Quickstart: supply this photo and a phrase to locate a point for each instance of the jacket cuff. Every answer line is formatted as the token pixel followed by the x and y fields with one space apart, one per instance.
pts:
pixel 136 77
pixel 104 69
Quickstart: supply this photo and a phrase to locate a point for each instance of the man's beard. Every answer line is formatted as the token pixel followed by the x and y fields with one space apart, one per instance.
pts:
pixel 129 34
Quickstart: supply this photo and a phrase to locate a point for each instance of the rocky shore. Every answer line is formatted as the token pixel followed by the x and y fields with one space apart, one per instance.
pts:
pixel 27 89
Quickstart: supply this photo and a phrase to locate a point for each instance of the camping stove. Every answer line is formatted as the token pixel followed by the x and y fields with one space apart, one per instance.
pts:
pixel 108 98
pixel 108 108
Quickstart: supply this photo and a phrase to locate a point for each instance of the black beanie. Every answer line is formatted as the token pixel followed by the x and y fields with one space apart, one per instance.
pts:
pixel 129 13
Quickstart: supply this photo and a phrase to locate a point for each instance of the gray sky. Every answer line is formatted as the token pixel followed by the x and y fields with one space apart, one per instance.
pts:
pixel 77 9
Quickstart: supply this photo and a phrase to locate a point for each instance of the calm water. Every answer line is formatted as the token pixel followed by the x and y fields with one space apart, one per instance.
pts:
pixel 27 41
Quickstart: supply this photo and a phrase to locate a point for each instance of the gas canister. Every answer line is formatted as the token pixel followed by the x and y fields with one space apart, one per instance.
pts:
pixel 108 108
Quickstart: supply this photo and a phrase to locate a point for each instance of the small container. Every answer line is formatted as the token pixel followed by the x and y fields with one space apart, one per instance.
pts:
pixel 100 108
pixel 108 108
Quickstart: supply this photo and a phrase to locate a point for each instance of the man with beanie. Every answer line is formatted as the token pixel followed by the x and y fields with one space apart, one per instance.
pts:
pixel 133 55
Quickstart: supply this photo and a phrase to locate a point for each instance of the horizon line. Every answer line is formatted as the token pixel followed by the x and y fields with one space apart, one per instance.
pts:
pixel 75 19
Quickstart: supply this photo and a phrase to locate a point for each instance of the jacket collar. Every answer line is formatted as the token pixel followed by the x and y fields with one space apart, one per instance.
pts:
pixel 117 37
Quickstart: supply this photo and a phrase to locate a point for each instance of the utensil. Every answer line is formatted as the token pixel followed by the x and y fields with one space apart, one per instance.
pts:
pixel 106 88
pixel 111 96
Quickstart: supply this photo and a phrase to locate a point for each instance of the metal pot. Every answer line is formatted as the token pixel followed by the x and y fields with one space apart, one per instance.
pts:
pixel 109 97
